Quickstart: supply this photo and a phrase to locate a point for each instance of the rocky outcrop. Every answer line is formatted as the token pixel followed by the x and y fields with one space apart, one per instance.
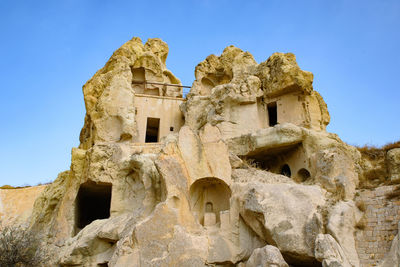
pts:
pixel 110 94
pixel 231 88
pixel 329 252
pixel 251 179
pixel 281 73
pixel 285 215
pixel 266 140
pixel 342 219
pixel 268 256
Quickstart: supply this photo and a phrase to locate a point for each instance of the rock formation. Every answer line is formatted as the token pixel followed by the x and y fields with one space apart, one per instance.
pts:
pixel 239 173
pixel 16 204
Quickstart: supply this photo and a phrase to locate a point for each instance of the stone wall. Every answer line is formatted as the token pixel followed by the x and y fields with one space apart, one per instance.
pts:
pixel 381 218
pixel 166 109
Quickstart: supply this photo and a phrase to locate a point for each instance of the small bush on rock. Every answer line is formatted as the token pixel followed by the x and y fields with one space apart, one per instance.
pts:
pixel 20 247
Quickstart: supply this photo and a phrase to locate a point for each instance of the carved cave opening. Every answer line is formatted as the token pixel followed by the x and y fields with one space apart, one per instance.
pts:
pixel 221 76
pixel 138 79
pixel 285 170
pixel 209 200
pixel 152 130
pixel 207 85
pixel 92 202
pixel 303 174
pixel 273 159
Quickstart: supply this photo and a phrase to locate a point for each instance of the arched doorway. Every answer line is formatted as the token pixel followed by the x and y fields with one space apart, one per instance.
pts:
pixel 208 197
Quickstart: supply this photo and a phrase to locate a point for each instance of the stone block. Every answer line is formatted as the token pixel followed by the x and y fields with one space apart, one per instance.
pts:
pixel 210 219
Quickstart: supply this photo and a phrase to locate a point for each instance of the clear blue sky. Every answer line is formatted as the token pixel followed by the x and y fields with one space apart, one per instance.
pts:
pixel 49 49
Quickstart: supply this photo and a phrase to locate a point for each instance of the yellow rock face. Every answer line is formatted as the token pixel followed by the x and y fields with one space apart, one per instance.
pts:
pixel 232 88
pixel 16 204
pixel 110 94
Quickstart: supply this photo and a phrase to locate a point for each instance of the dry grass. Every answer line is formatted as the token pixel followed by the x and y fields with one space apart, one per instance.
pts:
pixel 361 205
pixel 252 164
pixel 7 187
pixel 372 178
pixel 371 152
pixel 374 153
pixel 395 194
pixel 377 175
pixel 362 223
pixel 391 146
pixel 21 247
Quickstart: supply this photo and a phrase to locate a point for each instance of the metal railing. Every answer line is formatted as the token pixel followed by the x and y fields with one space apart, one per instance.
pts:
pixel 157 83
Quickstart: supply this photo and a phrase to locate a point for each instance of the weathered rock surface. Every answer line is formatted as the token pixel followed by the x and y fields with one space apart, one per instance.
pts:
pixel 16 204
pixel 329 252
pixel 393 162
pixel 285 215
pixel 231 88
pixel 393 257
pixel 341 225
pixel 110 94
pixel 251 179
pixel 266 140
pixel 268 256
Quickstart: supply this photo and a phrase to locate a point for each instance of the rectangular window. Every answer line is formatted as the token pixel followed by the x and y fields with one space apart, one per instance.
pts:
pixel 152 130
pixel 272 114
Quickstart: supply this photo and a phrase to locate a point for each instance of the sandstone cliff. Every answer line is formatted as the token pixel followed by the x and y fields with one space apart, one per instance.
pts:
pixel 250 177
pixel 16 204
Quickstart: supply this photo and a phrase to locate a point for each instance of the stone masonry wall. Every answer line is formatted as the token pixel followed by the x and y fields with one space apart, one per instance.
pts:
pixel 381 218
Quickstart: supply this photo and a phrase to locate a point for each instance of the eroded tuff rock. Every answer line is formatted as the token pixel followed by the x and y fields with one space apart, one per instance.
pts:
pixel 245 175
pixel 232 88
pixel 342 219
pixel 285 215
pixel 329 252
pixel 268 256
pixel 110 94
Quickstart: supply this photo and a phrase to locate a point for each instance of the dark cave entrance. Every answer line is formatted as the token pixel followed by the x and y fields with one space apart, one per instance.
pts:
pixel 92 202
pixel 285 170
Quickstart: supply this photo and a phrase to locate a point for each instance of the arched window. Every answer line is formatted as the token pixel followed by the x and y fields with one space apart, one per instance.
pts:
pixel 303 174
